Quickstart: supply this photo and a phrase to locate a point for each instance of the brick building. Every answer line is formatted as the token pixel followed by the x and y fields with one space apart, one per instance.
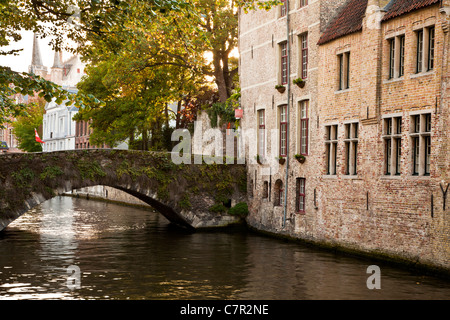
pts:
pixel 372 122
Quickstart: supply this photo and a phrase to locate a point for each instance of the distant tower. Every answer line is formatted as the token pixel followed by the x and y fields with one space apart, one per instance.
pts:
pixel 57 68
pixel 36 66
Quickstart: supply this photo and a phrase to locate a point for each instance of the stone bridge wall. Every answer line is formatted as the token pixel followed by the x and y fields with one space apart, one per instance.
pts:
pixel 193 196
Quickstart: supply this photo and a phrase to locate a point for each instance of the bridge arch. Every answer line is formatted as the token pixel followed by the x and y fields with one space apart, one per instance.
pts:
pixel 184 194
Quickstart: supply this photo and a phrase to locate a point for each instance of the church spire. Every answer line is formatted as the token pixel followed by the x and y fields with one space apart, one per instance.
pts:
pixel 57 59
pixel 36 59
pixel 37 66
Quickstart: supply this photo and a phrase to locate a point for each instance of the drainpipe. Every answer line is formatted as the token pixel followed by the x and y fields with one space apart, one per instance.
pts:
pixel 288 48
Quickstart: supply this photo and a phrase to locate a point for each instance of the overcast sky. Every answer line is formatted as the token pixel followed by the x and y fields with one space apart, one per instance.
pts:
pixel 22 61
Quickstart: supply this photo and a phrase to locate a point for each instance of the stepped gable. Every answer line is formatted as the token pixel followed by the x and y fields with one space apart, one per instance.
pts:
pixel 347 21
pixel 398 7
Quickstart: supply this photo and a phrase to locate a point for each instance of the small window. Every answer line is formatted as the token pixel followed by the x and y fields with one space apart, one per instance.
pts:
pixel 391 58
pixel 425 49
pixel 420 135
pixel 261 132
pixel 303 3
pixel 301 195
pixel 284 62
pixel 304 126
pixel 397 56
pixel 430 48
pixel 278 193
pixel 304 55
pixel 351 148
pixel 392 130
pixel 344 70
pixel 401 67
pixel 283 8
pixel 283 131
pixel 331 143
pixel 419 55
pixel 266 190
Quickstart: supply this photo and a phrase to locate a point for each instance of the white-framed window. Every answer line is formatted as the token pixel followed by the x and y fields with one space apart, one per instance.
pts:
pixel 331 145
pixel 425 49
pixel 343 70
pixel 392 139
pixel 303 51
pixel 351 148
pixel 303 110
pixel 283 130
pixel 420 137
pixel 284 77
pixel 397 56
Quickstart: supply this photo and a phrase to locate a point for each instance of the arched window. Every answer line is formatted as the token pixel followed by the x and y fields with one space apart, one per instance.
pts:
pixel 279 193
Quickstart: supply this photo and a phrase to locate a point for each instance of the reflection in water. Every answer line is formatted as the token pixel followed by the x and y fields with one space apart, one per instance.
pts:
pixel 131 253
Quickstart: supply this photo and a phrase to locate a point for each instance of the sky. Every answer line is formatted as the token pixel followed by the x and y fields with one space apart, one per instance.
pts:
pixel 22 61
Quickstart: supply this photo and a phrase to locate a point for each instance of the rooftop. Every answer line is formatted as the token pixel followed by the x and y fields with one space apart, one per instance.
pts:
pixel 349 19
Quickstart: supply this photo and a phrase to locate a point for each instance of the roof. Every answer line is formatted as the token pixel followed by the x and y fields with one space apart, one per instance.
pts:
pixel 347 21
pixel 351 16
pixel 398 7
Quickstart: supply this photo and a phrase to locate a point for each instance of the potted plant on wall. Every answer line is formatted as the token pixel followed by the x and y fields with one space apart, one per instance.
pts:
pixel 281 160
pixel 300 158
pixel 299 82
pixel 280 88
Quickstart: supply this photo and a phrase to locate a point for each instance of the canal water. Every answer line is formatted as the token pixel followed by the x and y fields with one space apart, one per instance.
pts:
pixel 70 248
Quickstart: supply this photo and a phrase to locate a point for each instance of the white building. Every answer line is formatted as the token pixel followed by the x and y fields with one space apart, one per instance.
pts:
pixel 58 126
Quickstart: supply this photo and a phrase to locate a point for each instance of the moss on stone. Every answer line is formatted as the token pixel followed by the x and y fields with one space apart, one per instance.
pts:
pixel 23 178
pixel 240 209
pixel 51 172
pixel 185 203
pixel 90 169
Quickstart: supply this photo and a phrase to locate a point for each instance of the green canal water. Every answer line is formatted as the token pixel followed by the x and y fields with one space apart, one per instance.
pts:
pixel 70 248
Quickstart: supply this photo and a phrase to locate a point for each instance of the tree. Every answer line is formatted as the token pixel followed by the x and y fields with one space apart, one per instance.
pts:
pixel 109 22
pixel 25 125
pixel 76 19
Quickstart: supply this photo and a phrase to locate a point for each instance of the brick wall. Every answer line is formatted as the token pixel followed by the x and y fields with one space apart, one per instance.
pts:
pixel 395 216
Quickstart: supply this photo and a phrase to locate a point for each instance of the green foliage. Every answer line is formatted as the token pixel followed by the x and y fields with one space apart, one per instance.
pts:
pixel 218 208
pixel 224 111
pixel 25 125
pixel 51 172
pixel 90 169
pixel 240 209
pixel 185 203
pixel 126 168
pixel 23 178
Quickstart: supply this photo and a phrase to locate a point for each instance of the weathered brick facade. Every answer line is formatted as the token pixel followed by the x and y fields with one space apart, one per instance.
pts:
pixel 374 202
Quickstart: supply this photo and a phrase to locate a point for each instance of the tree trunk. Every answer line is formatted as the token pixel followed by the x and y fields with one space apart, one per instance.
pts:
pixel 178 115
pixel 145 140
pixel 220 77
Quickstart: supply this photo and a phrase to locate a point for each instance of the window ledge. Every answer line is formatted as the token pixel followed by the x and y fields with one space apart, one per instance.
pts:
pixel 342 91
pixel 329 176
pixel 350 177
pixel 393 177
pixel 421 177
pixel 422 74
pixel 393 80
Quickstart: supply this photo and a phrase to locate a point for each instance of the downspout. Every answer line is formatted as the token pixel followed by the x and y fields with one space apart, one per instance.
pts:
pixel 288 48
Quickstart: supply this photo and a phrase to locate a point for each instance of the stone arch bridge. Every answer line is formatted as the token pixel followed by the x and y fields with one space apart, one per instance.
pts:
pixel 189 195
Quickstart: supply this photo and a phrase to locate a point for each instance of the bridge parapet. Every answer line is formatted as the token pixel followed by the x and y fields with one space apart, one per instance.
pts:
pixel 189 195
